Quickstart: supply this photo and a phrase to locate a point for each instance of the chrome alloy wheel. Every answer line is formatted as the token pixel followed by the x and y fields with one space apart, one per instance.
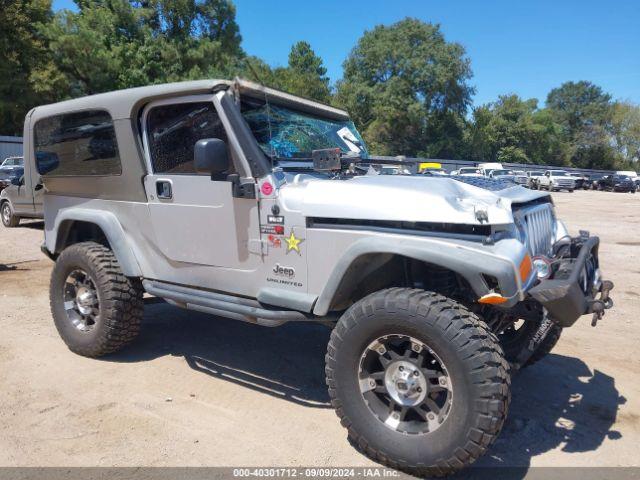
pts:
pixel 81 300
pixel 6 213
pixel 405 384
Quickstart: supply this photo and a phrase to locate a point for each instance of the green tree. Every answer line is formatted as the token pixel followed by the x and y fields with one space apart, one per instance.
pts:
pixel 305 74
pixel 21 50
pixel 584 111
pixel 515 131
pixel 625 125
pixel 406 88
pixel 113 44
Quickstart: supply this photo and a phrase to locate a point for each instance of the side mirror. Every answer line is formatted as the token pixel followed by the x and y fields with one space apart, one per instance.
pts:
pixel 211 156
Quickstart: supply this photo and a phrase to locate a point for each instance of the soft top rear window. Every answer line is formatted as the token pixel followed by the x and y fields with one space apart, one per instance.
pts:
pixel 77 144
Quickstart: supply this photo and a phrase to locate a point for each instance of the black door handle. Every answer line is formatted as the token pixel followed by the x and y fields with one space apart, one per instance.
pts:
pixel 163 189
pixel 38 187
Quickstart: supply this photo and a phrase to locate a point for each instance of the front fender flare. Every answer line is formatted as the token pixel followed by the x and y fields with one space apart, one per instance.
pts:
pixel 111 228
pixel 465 258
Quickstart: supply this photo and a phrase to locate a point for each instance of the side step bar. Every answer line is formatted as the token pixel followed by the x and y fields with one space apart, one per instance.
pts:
pixel 237 308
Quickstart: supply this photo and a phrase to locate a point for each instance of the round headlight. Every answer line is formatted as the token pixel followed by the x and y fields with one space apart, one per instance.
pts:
pixel 542 266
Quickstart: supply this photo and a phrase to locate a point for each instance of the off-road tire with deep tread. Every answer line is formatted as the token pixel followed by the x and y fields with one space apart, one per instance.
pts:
pixel 512 349
pixel 120 300
pixel 546 346
pixel 475 362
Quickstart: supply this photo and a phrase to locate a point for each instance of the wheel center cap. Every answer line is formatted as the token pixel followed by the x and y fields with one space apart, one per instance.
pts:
pixel 405 383
pixel 84 300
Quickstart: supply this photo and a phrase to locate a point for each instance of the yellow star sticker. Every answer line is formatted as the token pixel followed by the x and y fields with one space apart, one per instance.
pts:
pixel 293 243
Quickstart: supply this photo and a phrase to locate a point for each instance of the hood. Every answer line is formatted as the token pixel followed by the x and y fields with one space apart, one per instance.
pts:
pixel 405 198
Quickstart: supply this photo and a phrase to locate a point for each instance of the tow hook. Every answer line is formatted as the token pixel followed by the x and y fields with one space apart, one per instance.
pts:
pixel 603 303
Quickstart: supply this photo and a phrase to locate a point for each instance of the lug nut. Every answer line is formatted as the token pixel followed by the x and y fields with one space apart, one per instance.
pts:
pixel 443 381
pixel 431 416
pixel 415 373
pixel 419 390
pixel 401 368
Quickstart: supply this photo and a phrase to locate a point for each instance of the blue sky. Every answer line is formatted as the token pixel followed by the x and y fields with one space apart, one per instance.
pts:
pixel 519 46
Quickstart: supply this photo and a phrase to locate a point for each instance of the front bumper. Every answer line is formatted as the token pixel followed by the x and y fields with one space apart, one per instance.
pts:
pixel 576 287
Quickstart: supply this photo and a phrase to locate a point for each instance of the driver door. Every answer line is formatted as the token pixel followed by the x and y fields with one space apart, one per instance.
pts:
pixel 196 220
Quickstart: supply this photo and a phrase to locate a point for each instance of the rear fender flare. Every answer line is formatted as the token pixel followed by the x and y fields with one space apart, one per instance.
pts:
pixel 111 228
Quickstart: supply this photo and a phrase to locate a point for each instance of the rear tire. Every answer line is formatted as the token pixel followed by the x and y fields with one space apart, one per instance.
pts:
pixel 453 343
pixel 96 309
pixel 9 219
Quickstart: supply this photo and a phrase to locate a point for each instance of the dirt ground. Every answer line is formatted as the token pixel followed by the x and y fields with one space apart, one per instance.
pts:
pixel 196 390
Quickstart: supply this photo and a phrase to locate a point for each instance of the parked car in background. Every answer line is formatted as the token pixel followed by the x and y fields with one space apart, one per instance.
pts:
pixel 422 166
pixel 21 198
pixel 555 180
pixel 9 174
pixel 487 168
pixel 502 174
pixel 435 172
pixel 534 178
pixel 579 179
pixel 468 172
pixel 12 162
pixel 617 183
pixel 632 175
pixel 520 177
pixel 392 170
pixel 593 179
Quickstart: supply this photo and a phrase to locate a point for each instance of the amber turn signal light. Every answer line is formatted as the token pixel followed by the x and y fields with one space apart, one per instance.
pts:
pixel 492 299
pixel 525 268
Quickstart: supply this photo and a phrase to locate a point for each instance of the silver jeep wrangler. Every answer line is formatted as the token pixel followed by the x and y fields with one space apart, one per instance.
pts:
pixel 252 204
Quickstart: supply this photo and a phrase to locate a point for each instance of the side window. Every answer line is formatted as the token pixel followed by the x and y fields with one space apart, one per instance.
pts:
pixel 77 144
pixel 173 130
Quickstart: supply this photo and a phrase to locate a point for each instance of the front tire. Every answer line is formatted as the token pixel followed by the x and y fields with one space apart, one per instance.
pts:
pixel 438 420
pixel 9 219
pixel 96 309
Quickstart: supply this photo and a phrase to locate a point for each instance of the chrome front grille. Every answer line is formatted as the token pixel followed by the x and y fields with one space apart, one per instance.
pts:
pixel 564 182
pixel 537 225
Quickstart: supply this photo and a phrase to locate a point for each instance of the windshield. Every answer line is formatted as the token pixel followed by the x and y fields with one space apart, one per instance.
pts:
pixel 496 173
pixel 531 174
pixel 470 170
pixel 559 173
pixel 283 133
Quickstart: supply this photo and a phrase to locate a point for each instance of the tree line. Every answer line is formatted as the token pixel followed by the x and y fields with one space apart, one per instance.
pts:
pixel 408 89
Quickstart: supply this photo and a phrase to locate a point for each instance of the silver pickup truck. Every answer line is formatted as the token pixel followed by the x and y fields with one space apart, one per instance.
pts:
pixel 249 203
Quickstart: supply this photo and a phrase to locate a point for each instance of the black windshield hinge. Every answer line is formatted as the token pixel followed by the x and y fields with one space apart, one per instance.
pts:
pixel 241 189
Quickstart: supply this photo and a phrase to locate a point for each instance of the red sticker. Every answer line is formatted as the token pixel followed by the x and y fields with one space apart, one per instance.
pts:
pixel 279 229
pixel 267 188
